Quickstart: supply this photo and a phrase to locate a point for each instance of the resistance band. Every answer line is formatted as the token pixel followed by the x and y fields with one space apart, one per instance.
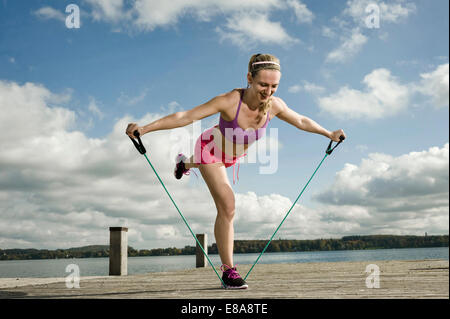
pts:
pixel 328 152
pixel 140 147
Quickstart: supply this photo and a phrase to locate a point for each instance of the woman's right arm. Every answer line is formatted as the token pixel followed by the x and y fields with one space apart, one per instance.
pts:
pixel 183 118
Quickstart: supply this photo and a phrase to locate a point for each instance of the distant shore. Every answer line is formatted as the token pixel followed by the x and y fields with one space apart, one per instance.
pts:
pixel 242 246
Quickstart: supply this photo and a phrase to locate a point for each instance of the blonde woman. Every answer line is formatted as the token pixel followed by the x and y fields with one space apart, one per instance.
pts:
pixel 244 117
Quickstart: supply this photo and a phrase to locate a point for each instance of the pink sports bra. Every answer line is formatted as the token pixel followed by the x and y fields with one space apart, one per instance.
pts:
pixel 234 133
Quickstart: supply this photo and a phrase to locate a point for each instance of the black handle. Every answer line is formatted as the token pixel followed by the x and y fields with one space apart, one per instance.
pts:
pixel 139 146
pixel 329 149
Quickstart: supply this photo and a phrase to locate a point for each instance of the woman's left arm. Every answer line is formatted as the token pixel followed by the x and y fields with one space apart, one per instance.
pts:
pixel 304 123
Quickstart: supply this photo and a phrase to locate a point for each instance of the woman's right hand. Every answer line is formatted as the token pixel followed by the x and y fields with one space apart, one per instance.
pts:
pixel 134 127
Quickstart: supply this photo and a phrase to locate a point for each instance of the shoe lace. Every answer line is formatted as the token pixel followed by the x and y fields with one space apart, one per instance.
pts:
pixel 231 272
pixel 188 172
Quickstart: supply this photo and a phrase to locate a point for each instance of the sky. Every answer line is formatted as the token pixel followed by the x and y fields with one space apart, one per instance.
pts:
pixel 73 74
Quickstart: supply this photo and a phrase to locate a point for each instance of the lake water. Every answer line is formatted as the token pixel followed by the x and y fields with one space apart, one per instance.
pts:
pixel 140 265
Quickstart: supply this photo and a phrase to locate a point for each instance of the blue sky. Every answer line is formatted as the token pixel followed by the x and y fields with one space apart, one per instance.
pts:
pixel 67 171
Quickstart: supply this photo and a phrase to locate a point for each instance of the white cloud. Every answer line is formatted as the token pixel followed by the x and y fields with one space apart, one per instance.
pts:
pixel 348 48
pixel 108 10
pixel 384 96
pixel 295 88
pixel 27 106
pixel 254 25
pixel 352 24
pixel 307 87
pixel 94 109
pixel 150 14
pixel 132 100
pixel 391 12
pixel 153 13
pixel 303 14
pixel 60 188
pixel 263 214
pixel 404 194
pixel 246 20
pixel 436 85
pixel 328 32
pixel 362 148
pixel 47 170
pixel 407 194
pixel 313 88
pixel 249 29
pixel 50 13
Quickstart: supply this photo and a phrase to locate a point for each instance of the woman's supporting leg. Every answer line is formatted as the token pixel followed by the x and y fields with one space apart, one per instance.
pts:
pixel 216 178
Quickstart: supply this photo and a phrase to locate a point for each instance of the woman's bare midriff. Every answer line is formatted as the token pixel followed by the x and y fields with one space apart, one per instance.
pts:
pixel 227 146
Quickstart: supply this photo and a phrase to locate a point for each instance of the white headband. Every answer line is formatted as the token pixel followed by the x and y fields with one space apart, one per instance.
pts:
pixel 266 62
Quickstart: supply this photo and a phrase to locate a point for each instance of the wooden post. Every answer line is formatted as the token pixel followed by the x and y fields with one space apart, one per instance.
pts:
pixel 118 251
pixel 201 260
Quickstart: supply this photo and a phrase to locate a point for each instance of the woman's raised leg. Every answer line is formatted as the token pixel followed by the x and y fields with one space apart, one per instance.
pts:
pixel 190 163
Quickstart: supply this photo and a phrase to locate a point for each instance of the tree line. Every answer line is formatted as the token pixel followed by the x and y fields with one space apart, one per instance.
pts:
pixel 242 246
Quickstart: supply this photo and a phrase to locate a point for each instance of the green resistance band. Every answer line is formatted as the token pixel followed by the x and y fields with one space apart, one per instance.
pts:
pixel 140 147
pixel 328 152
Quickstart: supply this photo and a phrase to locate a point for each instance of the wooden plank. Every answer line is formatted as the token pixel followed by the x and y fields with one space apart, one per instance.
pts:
pixel 398 279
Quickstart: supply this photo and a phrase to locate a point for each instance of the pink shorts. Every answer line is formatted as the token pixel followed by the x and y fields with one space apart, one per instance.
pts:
pixel 207 152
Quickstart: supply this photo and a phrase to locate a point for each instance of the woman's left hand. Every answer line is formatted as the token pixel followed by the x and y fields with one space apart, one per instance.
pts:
pixel 335 136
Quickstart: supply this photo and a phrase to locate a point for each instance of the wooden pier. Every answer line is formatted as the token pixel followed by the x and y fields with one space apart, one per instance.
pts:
pixel 343 280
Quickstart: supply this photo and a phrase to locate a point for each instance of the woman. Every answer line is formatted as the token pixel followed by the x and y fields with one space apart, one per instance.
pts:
pixel 244 116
